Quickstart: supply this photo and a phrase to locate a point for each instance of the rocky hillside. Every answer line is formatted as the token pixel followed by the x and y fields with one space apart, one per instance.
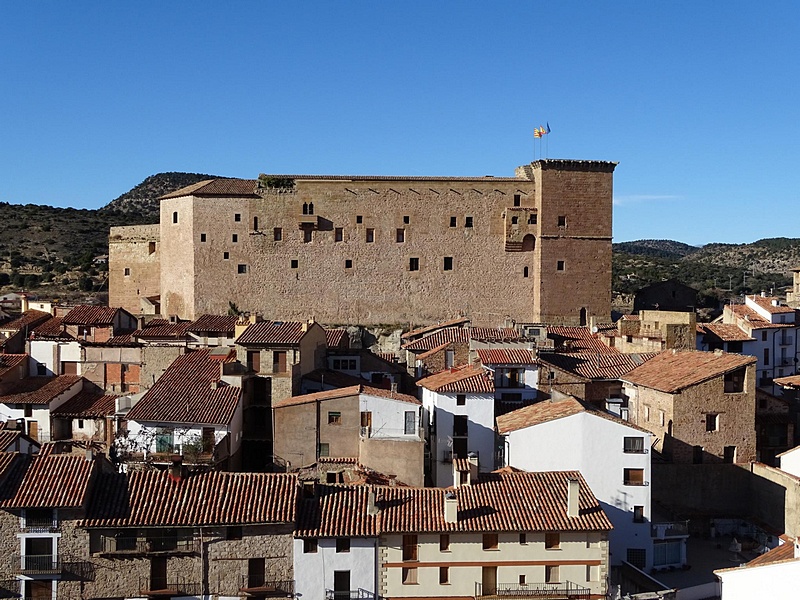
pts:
pixel 142 200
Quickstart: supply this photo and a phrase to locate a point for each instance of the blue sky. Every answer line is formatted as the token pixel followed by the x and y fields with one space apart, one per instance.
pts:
pixel 699 102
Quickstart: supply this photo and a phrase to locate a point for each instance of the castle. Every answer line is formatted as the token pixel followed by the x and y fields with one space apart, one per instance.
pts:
pixel 378 250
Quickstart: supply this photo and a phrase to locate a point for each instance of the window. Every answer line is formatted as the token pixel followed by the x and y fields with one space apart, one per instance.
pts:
pixel 151 247
pixel 348 264
pixel 28 411
pixel 233 533
pixel 277 234
pixel 633 445
pixel 351 364
pixel 729 454
pixel 517 199
pixel 413 264
pixel 237 217
pixel 522 580
pixel 444 575
pixel 468 222
pixel 490 541
pixel 255 223
pixel 279 361
pixel 646 413
pixel 562 221
pixel 523 538
pixel 449 358
pixel 552 541
pixel 127 271
pixel 637 557
pixel 453 221
pixel 444 542
pixel 661 416
pixel 409 575
pixel 734 381
pixel 766 356
pixel 712 422
pixel 514 220
pixel 525 272
pixel 359 219
pixel 310 546
pixel 342 544
pixel 294 263
pixel 638 514
pixel 633 476
pixel 226 255
pixel 401 236
pixel 370 235
pixel 334 418
pixel 203 237
pixel 560 265
pixel 338 234
pixel 460 425
pixel 175 217
pixel 406 219
pixel 410 547
pixel 551 574
pixel 254 360
pixel 763 336
pixel 234 238
pixel 241 269
pixel 307 236
pixel 410 422
pixel 667 552
pixel 461 399
pixel 80 423
pixel 532 219
pixel 324 449
pixel 305 208
pixel 448 263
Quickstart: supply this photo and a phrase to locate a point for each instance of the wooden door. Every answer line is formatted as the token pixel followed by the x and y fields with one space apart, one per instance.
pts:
pixel 489 581
pixel 341 585
pixel 33 430
pixel 158 574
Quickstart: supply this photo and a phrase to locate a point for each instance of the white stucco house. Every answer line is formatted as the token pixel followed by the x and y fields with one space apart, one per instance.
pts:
pixel 772 575
pixel 29 402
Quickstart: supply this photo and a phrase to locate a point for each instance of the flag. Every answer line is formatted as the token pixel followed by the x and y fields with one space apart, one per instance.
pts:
pixel 542 131
pixel 548 127
pixel 537 133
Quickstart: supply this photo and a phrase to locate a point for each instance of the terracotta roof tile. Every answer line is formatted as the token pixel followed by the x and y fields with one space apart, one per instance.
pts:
pixel 754 320
pixel 216 187
pixel 726 332
pixel 29 319
pixel 54 481
pixel 160 330
pixel 40 390
pixel 51 328
pixel 336 338
pixel 429 328
pixel 334 378
pixel 576 339
pixel 90 315
pixel 593 365
pixel 152 498
pixel 506 356
pixel 468 379
pixel 443 336
pixel 87 404
pixel 493 333
pixel 791 381
pixel 778 554
pixel 672 371
pixel 771 304
pixel 435 351
pixel 7 438
pixel 185 394
pixel 550 410
pixel 337 511
pixel 9 362
pixel 272 332
pixel 354 390
pixel 214 324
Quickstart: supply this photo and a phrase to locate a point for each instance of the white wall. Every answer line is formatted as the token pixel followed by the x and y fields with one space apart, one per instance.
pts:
pixel 51 353
pixel 790 461
pixel 313 572
pixel 388 416
pixel 775 581
pixel 593 445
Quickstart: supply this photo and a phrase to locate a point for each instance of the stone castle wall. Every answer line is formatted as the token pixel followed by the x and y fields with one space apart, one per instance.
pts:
pixel 135 248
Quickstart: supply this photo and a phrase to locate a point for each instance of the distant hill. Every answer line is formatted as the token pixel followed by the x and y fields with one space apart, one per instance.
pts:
pixel 143 199
pixel 659 248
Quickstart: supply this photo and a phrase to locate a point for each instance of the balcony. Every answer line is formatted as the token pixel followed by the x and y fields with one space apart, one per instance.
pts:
pixel 670 529
pixel 38 564
pixel 168 586
pixel 145 545
pixel 359 594
pixel 564 589
pixel 257 586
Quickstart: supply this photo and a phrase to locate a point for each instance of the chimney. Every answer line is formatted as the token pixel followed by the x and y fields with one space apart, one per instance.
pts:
pixel 176 468
pixel 472 459
pixel 573 497
pixel 763 294
pixel 89 455
pixel 24 305
pixel 775 302
pixel 450 507
pixel 255 318
pixel 394 387
pixel 241 325
pixel 140 322
pixel 372 504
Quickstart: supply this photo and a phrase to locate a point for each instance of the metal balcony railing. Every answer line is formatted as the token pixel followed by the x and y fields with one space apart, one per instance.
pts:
pixel 359 594
pixel 168 586
pixel 150 544
pixel 259 586
pixel 38 564
pixel 564 589
pixel 669 529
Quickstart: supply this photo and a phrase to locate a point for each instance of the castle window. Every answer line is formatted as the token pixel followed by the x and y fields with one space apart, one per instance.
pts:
pixel 468 222
pixel 401 236
pixel 305 208
pixel 311 208
pixel 406 219
pixel 255 223
pixel 370 236
pixel 562 221
pixel 203 237
pixel 226 255
pixel 241 269
pixel 560 265
pixel 453 221
pixel 532 219
pixel 237 217
pixel 517 199
pixel 712 422
pixel 348 264
pixel 127 271
pixel 175 217
pixel 277 234
pixel 514 220
pixel 294 263
pixel 307 236
pixel 151 247
pixel 338 234
pixel 413 264
pixel 448 263
pixel 525 272
pixel 235 238
pixel 359 219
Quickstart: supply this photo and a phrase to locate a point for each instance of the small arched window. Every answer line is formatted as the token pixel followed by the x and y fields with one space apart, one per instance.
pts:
pixel 525 272
pixel 311 208
pixel 175 217
pixel 514 220
pixel 528 243
pixel 305 208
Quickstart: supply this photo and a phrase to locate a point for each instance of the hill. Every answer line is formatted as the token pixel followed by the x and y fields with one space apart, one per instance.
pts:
pixel 143 199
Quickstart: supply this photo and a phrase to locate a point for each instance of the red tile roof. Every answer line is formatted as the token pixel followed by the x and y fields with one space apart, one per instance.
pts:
pixel 51 328
pixel 494 333
pixel 7 438
pixel 726 332
pixel 550 410
pixel 468 379
pixel 152 498
pixel 216 187
pixel 272 332
pixel 500 502
pixel 593 365
pixel 184 394
pixel 576 339
pixel 672 371
pixel 443 336
pixel 162 329
pixel 791 381
pixel 506 356
pixel 54 481
pixel 778 554
pixel 90 315
pixel 29 319
pixel 337 511
pixel 354 390
pixel 435 351
pixel 334 378
pixel 335 337
pixel 40 390
pixel 214 324
pixel 771 304
pixel 8 362
pixel 87 404
pixel 755 320
pixel 429 328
